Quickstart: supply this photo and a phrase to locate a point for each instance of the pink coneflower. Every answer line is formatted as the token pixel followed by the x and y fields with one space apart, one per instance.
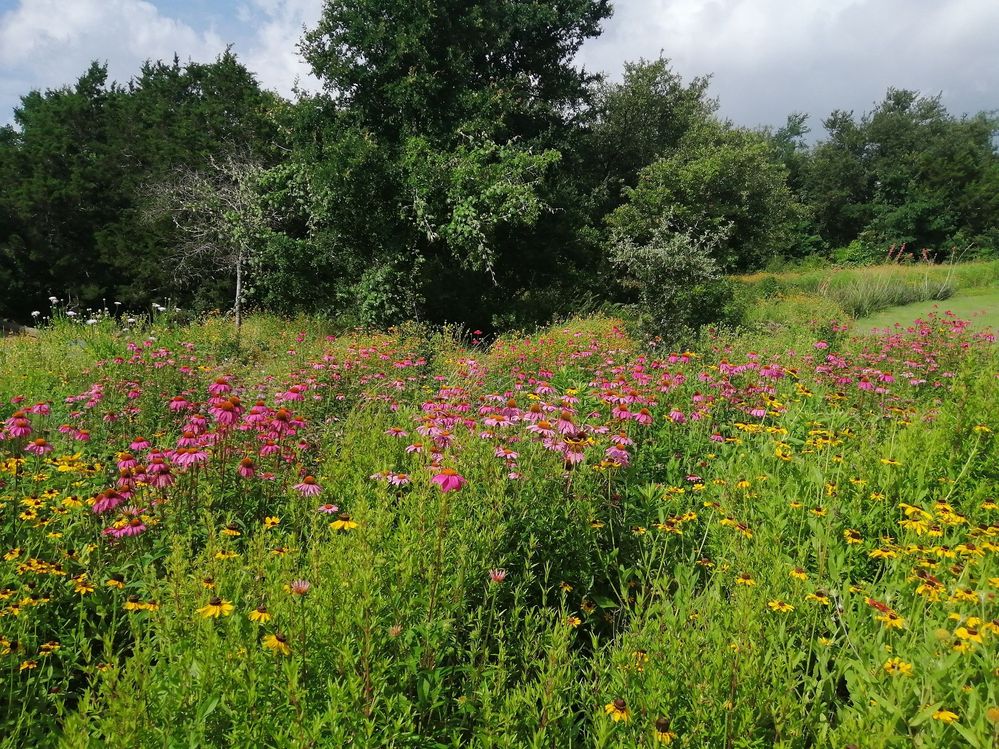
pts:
pixel 178 403
pixel 139 443
pixel 328 509
pixel 188 439
pixel 270 447
pixel 225 412
pixel 449 480
pixel 247 468
pixel 38 446
pixel 397 432
pixel 299 587
pixel 197 424
pixel 309 487
pixel 126 460
pixel 133 527
pixel 398 479
pixel 189 456
pixel 258 413
pixel 621 439
pixel 221 386
pixel 566 423
pixel 497 575
pixel 543 427
pixel 81 435
pixel 643 417
pixel 106 501
pixel 506 453
pixel 618 455
pixel 18 425
pixel 416 447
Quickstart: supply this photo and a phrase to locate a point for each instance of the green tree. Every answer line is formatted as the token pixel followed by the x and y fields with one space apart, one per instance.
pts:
pixel 718 180
pixel 440 158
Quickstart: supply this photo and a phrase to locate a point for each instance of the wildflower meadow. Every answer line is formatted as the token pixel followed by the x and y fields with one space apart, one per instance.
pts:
pixel 426 539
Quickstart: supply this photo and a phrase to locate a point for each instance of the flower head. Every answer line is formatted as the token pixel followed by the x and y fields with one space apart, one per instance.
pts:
pixel 277 642
pixel 618 710
pixel 216 607
pixel 449 480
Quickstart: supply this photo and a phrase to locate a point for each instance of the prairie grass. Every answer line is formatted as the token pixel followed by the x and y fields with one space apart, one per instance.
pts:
pixel 863 291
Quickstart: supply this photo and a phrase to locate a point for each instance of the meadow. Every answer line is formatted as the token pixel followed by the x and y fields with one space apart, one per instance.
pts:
pixel 304 537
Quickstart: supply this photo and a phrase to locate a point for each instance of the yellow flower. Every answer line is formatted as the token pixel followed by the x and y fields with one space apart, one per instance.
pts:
pixel 966 633
pixel 981 429
pixel 28 665
pixel 216 607
pixel 278 643
pixel 781 607
pixel 744 578
pixel 897 667
pixel 945 716
pixel 663 734
pixel 891 620
pixel 798 574
pixel 618 710
pixel 573 621
pixel 260 615
pixel 565 587
pixel 851 536
pixel 226 555
pixel 271 522
pixel 343 523
pixel 820 598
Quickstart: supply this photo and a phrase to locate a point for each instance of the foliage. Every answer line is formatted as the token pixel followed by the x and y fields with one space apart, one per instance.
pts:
pixel 675 277
pixel 75 169
pixel 719 179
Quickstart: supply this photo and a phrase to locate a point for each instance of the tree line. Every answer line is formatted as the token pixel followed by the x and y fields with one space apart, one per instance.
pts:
pixel 458 166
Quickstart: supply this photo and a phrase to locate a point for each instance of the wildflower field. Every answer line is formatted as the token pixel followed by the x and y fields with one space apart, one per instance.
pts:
pixel 416 540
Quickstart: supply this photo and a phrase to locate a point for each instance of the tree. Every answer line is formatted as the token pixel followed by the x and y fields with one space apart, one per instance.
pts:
pixel 75 163
pixel 441 157
pixel 719 179
pixel 221 218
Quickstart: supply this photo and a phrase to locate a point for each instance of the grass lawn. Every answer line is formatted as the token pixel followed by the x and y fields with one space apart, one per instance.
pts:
pixel 981 306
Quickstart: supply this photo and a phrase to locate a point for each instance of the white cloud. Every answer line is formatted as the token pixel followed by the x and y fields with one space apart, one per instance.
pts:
pixel 48 43
pixel 273 53
pixel 771 57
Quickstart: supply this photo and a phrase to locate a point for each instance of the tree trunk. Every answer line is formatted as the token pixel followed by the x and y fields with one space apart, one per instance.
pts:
pixel 238 306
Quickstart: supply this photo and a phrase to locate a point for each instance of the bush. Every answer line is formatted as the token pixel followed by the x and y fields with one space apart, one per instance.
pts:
pixel 677 282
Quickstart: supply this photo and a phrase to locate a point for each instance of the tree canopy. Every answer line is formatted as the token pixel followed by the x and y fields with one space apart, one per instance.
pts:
pixel 459 165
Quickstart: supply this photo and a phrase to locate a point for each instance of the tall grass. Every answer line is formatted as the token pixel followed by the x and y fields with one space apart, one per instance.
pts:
pixel 863 291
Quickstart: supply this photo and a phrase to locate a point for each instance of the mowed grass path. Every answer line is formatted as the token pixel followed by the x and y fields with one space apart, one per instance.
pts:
pixel 981 306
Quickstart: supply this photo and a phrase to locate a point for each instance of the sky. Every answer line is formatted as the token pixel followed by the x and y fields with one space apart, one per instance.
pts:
pixel 767 57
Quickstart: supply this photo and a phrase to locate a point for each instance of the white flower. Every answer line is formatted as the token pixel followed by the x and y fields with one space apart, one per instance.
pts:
pixel 131 321
pixel 36 313
pixel 71 313
pixel 91 321
pixel 53 299
pixel 117 304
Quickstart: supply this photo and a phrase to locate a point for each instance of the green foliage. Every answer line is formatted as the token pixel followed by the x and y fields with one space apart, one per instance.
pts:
pixel 908 172
pixel 719 179
pixel 676 279
pixel 729 585
pixel 77 167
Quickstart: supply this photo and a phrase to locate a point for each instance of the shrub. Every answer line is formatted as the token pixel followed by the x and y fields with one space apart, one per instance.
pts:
pixel 677 281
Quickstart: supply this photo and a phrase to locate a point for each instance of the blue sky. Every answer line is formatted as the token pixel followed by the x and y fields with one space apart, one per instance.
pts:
pixel 768 57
